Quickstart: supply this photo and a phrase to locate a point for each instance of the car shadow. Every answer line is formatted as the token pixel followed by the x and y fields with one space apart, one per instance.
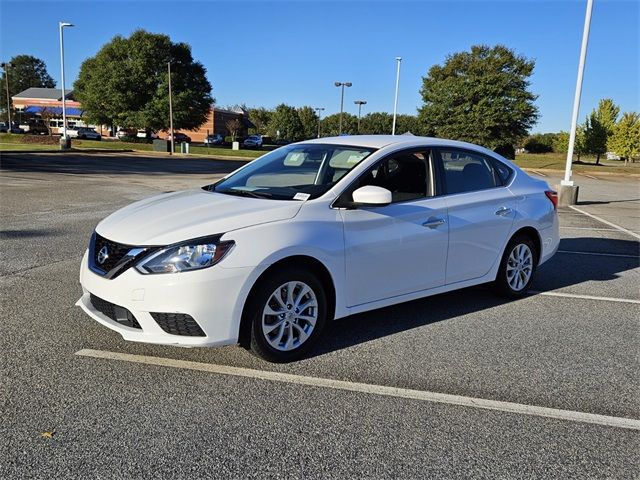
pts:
pixel 115 163
pixel 560 271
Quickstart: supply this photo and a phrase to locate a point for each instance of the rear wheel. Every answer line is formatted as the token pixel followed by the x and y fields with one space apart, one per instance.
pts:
pixel 287 311
pixel 517 267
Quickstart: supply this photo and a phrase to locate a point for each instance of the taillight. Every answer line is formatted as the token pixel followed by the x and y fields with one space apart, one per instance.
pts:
pixel 553 196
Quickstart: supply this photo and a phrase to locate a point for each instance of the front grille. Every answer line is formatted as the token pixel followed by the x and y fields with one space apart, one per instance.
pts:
pixel 116 252
pixel 178 324
pixel 114 312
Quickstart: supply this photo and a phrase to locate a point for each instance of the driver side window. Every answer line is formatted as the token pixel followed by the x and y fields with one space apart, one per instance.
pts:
pixel 407 175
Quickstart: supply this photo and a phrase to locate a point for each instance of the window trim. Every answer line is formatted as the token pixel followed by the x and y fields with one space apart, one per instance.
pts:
pixel 340 203
pixel 489 158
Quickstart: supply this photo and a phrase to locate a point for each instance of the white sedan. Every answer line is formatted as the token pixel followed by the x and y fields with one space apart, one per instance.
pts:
pixel 312 232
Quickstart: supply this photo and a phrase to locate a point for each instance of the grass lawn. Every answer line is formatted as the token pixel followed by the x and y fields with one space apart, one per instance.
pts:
pixel 10 142
pixel 556 161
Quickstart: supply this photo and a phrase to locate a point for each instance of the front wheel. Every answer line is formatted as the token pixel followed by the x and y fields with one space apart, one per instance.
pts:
pixel 288 311
pixel 517 267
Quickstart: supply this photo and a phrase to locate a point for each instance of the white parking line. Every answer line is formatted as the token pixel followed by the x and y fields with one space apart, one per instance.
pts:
pixel 517 408
pixel 606 222
pixel 585 297
pixel 589 228
pixel 538 173
pixel 598 254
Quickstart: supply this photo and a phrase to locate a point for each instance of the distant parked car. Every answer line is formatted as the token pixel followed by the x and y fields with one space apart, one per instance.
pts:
pixel 14 129
pixel 142 133
pixel 253 141
pixel 180 137
pixel 281 141
pixel 216 139
pixel 124 133
pixel 87 133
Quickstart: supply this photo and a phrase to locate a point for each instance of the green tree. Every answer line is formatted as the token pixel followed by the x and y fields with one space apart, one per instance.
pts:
pixel 331 125
pixel 309 120
pixel 376 123
pixel 595 136
pixel 127 84
pixel 561 142
pixel 607 114
pixel 260 117
pixel 407 124
pixel 481 96
pixel 625 140
pixel 24 71
pixel 285 124
pixel 540 143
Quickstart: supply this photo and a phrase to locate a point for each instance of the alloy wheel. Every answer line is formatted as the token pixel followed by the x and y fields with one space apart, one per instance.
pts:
pixel 289 316
pixel 519 267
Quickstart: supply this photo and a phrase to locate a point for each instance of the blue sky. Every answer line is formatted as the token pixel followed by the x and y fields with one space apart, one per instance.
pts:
pixel 266 52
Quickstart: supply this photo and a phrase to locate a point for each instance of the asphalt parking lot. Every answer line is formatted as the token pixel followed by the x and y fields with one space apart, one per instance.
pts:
pixel 548 386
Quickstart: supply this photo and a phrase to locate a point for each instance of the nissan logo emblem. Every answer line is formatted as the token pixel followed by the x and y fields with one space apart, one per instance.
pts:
pixel 103 254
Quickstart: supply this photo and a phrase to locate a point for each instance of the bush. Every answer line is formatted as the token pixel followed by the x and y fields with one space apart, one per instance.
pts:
pixel 539 143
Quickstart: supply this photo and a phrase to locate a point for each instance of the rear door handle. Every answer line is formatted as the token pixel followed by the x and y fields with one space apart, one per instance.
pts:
pixel 434 222
pixel 504 211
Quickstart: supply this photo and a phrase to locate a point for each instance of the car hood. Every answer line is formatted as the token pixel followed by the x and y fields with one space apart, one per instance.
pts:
pixel 179 216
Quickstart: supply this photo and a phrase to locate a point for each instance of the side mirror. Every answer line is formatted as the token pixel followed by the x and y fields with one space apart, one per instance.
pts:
pixel 370 195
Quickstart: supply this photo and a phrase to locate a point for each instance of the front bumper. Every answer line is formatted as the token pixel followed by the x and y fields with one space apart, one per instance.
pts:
pixel 213 297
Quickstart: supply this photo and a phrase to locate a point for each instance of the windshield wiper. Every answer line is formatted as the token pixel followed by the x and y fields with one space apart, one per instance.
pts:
pixel 247 193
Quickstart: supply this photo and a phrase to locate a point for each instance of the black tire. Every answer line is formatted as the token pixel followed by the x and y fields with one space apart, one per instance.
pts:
pixel 501 283
pixel 257 301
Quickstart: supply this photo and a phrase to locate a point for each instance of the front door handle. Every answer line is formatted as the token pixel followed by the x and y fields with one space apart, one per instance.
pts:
pixel 504 211
pixel 434 222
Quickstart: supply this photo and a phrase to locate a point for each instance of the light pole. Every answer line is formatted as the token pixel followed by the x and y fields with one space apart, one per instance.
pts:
pixel 61 26
pixel 359 103
pixel 566 185
pixel 6 66
pixel 395 102
pixel 170 111
pixel 319 111
pixel 342 84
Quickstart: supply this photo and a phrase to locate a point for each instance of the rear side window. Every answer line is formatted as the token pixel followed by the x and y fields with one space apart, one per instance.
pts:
pixel 469 172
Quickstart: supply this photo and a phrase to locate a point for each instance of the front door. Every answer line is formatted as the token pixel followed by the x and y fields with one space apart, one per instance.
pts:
pixel 402 247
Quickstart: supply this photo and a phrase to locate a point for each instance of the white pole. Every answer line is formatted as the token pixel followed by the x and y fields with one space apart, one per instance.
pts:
pixel 395 103
pixel 170 111
pixel 61 26
pixel 64 109
pixel 576 99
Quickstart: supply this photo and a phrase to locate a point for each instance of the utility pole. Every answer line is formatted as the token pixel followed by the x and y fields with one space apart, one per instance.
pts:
pixel 395 102
pixel 170 111
pixel 319 111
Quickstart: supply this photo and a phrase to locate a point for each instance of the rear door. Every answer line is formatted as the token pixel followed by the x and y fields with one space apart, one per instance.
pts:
pixel 481 211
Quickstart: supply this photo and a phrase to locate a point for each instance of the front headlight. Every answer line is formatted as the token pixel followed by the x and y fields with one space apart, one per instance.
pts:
pixel 193 255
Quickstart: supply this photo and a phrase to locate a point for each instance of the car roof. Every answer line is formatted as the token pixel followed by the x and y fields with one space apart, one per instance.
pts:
pixel 380 141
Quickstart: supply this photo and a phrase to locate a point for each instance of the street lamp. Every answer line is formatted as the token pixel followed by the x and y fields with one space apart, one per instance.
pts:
pixel 6 66
pixel 566 185
pixel 319 111
pixel 342 84
pixel 64 107
pixel 395 103
pixel 359 103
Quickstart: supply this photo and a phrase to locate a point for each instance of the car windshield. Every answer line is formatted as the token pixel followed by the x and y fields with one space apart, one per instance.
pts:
pixel 294 172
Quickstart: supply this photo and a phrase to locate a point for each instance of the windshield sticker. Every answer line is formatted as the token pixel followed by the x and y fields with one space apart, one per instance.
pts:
pixel 301 196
